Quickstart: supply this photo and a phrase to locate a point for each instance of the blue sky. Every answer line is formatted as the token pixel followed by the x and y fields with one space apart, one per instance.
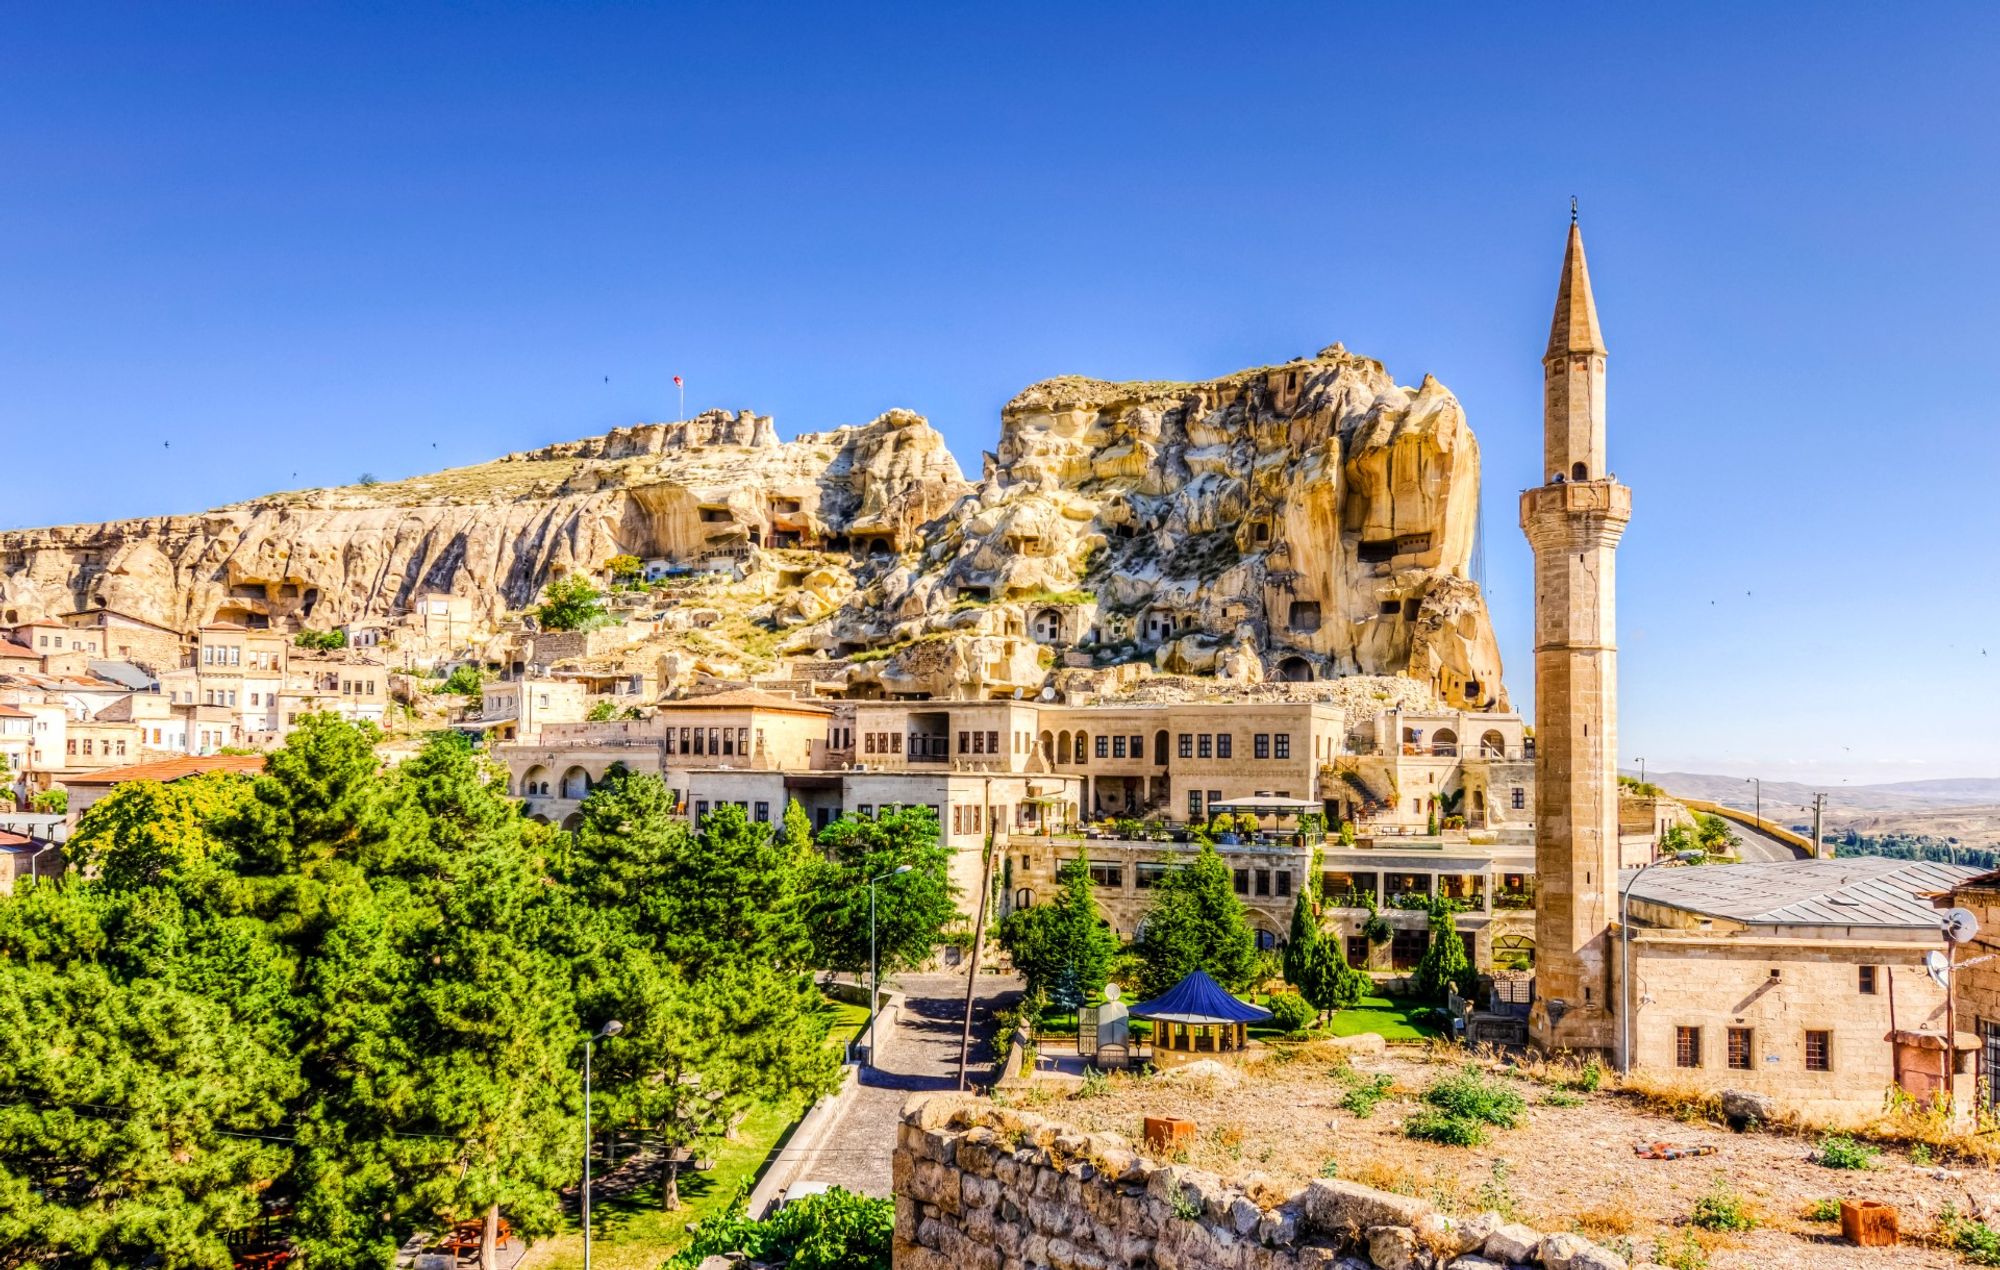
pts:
pixel 387 238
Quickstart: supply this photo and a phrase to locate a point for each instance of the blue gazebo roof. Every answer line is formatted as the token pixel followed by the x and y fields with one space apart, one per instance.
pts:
pixel 1198 999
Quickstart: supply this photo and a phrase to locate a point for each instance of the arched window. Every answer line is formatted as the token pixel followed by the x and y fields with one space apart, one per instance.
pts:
pixel 1579 472
pixel 1024 898
pixel 1266 940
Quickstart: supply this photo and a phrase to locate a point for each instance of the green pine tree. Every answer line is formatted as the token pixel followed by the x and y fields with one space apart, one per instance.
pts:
pixel 1195 922
pixel 1063 948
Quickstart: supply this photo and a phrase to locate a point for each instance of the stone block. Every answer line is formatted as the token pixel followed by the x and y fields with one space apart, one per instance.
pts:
pixel 1279 1227
pixel 1868 1223
pixel 1742 1108
pixel 1472 1261
pixel 1244 1215
pixel 1167 1135
pixel 1513 1242
pixel 1565 1251
pixel 1394 1248
pixel 1336 1207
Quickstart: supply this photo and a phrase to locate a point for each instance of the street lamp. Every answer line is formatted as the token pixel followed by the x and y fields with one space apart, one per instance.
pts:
pixel 612 1027
pixel 1642 771
pixel 1760 799
pixel 1625 931
pixel 874 967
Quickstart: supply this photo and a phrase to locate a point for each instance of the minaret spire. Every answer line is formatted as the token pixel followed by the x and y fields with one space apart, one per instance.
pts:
pixel 1574 329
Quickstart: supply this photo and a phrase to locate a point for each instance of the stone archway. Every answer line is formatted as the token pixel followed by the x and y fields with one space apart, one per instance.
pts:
pixel 534 782
pixel 576 784
pixel 1294 669
pixel 572 822
pixel 1444 741
pixel 1492 744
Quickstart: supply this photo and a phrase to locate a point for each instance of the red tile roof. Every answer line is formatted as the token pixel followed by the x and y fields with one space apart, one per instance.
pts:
pixel 171 769
pixel 745 699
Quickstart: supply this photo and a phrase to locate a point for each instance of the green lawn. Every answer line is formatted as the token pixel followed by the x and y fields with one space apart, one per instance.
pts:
pixel 848 1020
pixel 1388 1015
pixel 632 1232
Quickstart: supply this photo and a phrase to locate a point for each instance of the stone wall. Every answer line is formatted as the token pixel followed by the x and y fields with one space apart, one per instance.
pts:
pixel 980 1187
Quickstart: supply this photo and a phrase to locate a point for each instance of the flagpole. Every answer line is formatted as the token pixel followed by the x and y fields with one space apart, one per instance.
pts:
pixel 682 409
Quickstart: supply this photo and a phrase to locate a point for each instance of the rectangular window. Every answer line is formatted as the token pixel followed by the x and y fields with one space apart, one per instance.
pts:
pixel 700 741
pixel 1104 747
pixel 964 742
pixel 763 813
pixel 1407 947
pixel 1225 744
pixel 1187 745
pixel 993 741
pixel 1282 741
pixel 700 810
pixel 1138 747
pixel 895 742
pixel 1520 798
pixel 1214 797
pixel 673 741
pixel 1111 875
pixel 1284 881
pixel 1260 745
pixel 1867 981
pixel 1263 881
pixel 1357 951
pixel 865 810
pixel 1205 745
pixel 1242 879
pixel 1194 804
pixel 1739 1048
pixel 1145 875
pixel 1819 1051
pixel 1117 746
pixel 868 743
pixel 1687 1047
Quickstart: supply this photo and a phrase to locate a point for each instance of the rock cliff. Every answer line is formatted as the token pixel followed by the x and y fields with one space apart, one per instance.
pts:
pixel 1306 521
pixel 713 486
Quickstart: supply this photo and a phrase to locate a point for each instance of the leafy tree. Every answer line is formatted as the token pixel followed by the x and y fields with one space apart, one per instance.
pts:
pixel 1290 1013
pixel 53 801
pixel 624 568
pixel 1444 964
pixel 321 641
pixel 602 711
pixel 465 679
pixel 1063 949
pixel 1195 922
pixel 910 909
pixel 148 833
pixel 628 836
pixel 1713 834
pixel 570 604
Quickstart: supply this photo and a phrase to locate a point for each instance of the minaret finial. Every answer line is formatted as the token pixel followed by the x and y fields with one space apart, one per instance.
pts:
pixel 1572 209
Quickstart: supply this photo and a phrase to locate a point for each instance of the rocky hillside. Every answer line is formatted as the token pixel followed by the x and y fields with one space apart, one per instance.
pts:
pixel 714 485
pixel 1305 521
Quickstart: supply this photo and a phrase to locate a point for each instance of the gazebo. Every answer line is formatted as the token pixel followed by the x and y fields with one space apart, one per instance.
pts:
pixel 1274 806
pixel 1196 1016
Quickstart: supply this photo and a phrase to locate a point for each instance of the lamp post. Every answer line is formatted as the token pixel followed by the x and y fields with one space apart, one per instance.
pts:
pixel 1625 937
pixel 1642 771
pixel 612 1027
pixel 874 967
pixel 1760 799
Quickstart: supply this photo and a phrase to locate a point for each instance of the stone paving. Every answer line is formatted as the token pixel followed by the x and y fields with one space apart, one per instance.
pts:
pixel 919 1053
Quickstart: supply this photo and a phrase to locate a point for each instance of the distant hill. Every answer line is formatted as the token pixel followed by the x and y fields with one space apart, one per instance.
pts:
pixel 1784 800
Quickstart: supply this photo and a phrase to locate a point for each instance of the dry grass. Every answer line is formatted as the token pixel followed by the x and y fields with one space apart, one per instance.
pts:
pixel 1568 1167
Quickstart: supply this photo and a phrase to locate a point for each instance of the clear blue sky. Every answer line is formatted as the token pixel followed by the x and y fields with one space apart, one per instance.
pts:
pixel 387 238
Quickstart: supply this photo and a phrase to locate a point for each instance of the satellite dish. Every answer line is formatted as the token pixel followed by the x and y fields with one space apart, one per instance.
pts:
pixel 1112 992
pixel 1937 966
pixel 1959 925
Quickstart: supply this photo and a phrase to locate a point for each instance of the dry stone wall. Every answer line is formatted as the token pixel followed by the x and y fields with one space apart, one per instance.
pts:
pixel 985 1188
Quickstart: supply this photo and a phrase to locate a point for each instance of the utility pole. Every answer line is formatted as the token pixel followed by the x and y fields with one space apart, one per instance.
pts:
pixel 1819 814
pixel 978 937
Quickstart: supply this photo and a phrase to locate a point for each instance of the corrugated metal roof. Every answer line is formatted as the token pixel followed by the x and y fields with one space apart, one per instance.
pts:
pixel 1851 891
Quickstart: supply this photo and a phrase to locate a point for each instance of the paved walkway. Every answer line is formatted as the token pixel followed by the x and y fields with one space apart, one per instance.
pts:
pixel 920 1052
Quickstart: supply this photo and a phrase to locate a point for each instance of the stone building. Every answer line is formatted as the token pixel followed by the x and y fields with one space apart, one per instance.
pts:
pixel 1786 979
pixel 1976 987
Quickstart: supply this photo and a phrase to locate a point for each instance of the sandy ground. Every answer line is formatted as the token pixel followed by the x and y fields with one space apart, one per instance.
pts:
pixel 1562 1168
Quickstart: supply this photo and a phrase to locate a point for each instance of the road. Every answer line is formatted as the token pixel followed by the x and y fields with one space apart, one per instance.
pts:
pixel 1761 848
pixel 920 1052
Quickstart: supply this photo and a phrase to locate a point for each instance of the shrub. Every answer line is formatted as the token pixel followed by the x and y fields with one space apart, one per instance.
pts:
pixel 1291 1012
pixel 833 1231
pixel 1561 1098
pixel 321 641
pixel 1471 1094
pixel 1445 1129
pixel 1362 1099
pixel 1971 1238
pixel 1095 1084
pixel 1723 1209
pixel 1591 1078
pixel 1837 1151
pixel 1685 1253
pixel 1823 1210
pixel 53 801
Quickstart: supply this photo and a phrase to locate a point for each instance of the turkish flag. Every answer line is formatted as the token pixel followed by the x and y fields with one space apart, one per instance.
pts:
pixel 677 381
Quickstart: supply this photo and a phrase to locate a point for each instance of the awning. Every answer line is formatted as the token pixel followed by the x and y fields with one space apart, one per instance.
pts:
pixel 1267 804
pixel 1198 999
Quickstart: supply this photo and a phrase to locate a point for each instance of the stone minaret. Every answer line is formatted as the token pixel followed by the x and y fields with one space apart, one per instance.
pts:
pixel 1573 522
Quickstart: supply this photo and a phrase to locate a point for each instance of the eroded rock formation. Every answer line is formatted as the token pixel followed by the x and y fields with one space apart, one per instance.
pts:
pixel 1307 521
